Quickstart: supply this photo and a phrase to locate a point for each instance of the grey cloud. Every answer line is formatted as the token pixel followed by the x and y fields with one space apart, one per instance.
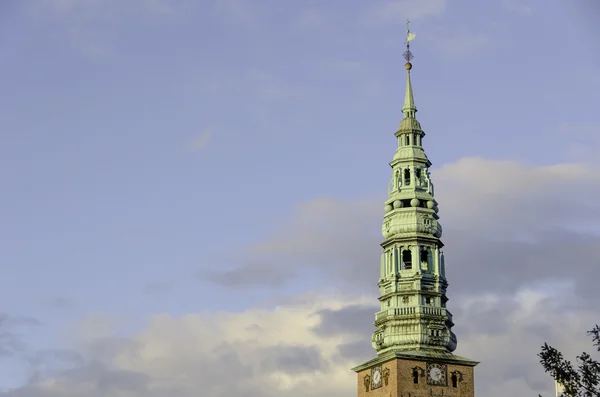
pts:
pixel 106 348
pixel 475 265
pixel 10 344
pixel 292 359
pixel 107 380
pixel 94 379
pixel 502 333
pixel 52 362
pixel 56 358
pixel 359 351
pixel 496 244
pixel 122 381
pixel 324 236
pixel 495 241
pixel 251 275
pixel 508 355
pixel 490 322
pixel 511 355
pixel 7 320
pixel 219 375
pixel 10 341
pixel 474 262
pixel 354 320
pixel 494 247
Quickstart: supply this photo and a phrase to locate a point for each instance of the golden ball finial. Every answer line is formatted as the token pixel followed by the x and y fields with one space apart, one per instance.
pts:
pixel 408 66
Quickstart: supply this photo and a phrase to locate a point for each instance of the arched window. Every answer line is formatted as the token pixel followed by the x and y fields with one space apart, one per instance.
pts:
pixel 407 176
pixel 407 140
pixel 454 380
pixel 415 375
pixel 406 260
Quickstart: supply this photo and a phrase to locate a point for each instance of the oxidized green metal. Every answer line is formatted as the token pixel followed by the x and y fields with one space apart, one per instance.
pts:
pixel 413 315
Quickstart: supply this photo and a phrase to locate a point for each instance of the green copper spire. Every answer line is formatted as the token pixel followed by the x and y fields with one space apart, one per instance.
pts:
pixel 413 315
pixel 413 324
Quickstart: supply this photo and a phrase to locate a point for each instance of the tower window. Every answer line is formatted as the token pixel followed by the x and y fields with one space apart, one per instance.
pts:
pixel 407 176
pixel 415 139
pixel 407 259
pixel 428 300
pixel 415 375
pixel 407 140
pixel 454 380
pixel 424 259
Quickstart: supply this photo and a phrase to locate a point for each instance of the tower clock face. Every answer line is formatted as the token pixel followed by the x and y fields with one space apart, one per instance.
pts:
pixel 376 377
pixel 436 374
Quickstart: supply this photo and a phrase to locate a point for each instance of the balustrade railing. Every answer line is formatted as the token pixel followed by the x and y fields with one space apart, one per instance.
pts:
pixel 412 310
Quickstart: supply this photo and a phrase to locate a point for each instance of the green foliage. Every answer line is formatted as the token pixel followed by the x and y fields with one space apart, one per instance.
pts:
pixel 583 381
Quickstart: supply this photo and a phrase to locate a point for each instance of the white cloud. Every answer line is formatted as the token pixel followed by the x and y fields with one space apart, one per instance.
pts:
pixel 215 354
pixel 518 278
pixel 508 296
pixel 293 349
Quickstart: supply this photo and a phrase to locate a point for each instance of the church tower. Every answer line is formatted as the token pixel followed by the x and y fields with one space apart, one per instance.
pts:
pixel 413 334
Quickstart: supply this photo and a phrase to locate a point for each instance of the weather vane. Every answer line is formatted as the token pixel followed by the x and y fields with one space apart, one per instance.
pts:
pixel 410 36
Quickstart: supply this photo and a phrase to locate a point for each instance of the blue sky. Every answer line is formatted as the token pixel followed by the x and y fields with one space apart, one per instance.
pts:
pixel 150 147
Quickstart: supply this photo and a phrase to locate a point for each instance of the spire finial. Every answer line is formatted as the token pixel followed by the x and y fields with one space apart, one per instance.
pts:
pixel 410 36
pixel 409 109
